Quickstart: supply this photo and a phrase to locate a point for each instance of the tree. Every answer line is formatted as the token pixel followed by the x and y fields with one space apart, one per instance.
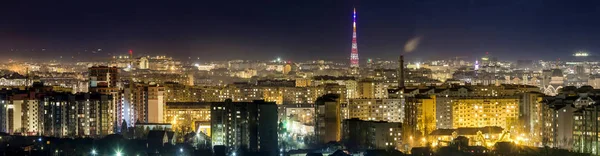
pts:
pixel 115 127
pixel 124 129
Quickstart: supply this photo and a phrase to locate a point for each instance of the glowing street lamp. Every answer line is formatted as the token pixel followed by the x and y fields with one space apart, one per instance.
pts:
pixel 119 152
pixel 94 152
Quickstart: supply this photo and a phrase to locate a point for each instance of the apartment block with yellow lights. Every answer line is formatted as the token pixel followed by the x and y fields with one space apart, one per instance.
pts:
pixel 390 110
pixel 176 92
pixel 186 116
pixel 501 111
pixel 349 83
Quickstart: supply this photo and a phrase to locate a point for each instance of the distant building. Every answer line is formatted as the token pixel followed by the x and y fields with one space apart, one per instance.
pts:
pixel 103 76
pixel 14 80
pixel 524 64
pixel 287 68
pixel 390 110
pixel 349 83
pixel 176 92
pixel 553 81
pixel 246 73
pixel 303 82
pixel 366 89
pixel 144 64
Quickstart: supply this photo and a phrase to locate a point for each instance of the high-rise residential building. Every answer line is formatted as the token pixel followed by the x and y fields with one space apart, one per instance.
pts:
pixel 103 77
pixel 530 109
pixel 341 90
pixel 373 89
pixel 23 113
pixel 366 89
pixel 349 83
pixel 557 124
pixel 586 130
pixel 176 92
pixel 328 118
pixel 245 126
pixel 77 115
pixel 93 117
pixel 390 110
pixel 565 120
pixel 104 80
pixel 501 111
pixel 354 52
pixel 364 135
pixel 443 111
pixel 56 114
pixel 420 115
pixel 144 103
pixel 4 116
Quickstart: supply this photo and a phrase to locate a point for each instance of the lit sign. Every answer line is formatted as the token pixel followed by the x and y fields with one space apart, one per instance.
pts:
pixel 581 54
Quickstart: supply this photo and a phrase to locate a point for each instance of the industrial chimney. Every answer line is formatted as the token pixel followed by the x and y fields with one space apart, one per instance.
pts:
pixel 401 72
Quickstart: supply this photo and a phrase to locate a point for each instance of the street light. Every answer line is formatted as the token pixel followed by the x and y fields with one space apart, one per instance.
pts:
pixel 181 150
pixel 118 152
pixel 94 152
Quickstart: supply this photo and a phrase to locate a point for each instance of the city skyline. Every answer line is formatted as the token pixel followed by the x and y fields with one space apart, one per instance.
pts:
pixel 304 30
pixel 285 78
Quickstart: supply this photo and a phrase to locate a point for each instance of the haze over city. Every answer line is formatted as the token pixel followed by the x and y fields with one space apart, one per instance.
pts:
pixel 300 78
pixel 297 30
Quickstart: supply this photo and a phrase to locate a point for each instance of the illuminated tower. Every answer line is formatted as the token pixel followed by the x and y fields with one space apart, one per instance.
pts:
pixel 354 53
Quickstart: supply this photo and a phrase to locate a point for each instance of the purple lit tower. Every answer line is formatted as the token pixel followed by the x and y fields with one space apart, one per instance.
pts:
pixel 354 53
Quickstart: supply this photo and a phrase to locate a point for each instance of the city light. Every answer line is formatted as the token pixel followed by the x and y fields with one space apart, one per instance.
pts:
pixel 119 152
pixel 581 54
pixel 247 95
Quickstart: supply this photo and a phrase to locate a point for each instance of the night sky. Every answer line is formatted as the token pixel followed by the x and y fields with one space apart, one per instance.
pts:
pixel 299 29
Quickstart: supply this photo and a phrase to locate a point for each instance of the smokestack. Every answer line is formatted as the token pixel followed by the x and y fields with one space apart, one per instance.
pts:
pixel 401 72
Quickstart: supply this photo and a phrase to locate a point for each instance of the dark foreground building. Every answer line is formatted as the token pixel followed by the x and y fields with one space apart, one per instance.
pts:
pixel 245 127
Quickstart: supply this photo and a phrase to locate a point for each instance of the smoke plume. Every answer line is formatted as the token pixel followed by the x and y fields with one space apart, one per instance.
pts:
pixel 412 44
